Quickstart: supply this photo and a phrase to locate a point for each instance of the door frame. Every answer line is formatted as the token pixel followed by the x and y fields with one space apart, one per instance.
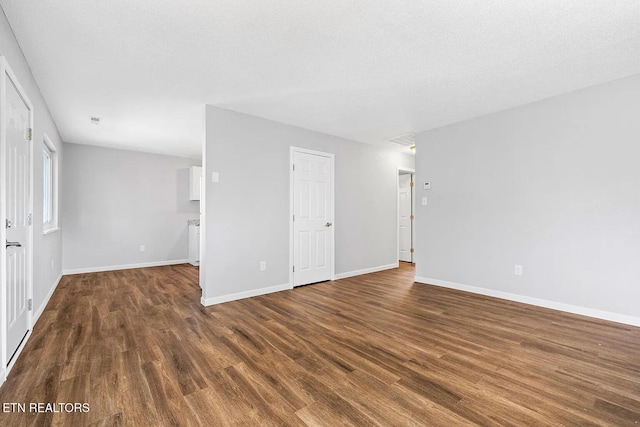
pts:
pixel 7 74
pixel 332 257
pixel 413 209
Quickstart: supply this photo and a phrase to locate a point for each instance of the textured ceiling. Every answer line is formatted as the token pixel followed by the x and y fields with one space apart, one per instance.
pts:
pixel 363 70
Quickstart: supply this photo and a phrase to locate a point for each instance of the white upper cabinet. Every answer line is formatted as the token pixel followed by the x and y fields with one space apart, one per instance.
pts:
pixel 195 178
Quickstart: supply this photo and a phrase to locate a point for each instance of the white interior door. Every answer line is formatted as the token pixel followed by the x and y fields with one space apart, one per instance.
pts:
pixel 405 214
pixel 313 218
pixel 17 176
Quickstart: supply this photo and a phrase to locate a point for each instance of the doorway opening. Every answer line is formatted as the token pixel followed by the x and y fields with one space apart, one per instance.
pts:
pixel 406 209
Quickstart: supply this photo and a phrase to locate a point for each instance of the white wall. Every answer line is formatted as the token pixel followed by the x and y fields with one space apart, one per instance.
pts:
pixel 116 200
pixel 247 212
pixel 552 186
pixel 47 249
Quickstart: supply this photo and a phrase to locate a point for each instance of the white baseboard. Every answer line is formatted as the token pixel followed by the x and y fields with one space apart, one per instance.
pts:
pixel 366 271
pixel 38 313
pixel 575 309
pixel 278 288
pixel 123 267
pixel 245 294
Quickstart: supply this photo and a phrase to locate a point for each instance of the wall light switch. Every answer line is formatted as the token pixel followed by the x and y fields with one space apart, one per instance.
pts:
pixel 426 186
pixel 424 201
pixel 215 177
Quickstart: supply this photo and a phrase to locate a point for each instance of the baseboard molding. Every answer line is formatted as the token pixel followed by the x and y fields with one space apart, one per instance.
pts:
pixel 242 295
pixel 278 288
pixel 569 308
pixel 38 313
pixel 366 271
pixel 123 267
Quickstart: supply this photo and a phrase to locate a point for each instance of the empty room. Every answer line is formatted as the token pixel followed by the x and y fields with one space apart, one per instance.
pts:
pixel 328 213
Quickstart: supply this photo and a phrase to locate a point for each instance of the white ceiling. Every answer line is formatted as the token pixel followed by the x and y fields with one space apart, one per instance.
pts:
pixel 363 70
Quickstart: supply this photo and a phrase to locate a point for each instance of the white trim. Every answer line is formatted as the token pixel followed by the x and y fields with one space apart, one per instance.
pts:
pixel 123 267
pixel 3 233
pixel 332 257
pixel 52 152
pixel 38 313
pixel 7 73
pixel 204 185
pixel 569 308
pixel 245 294
pixel 366 271
pixel 413 210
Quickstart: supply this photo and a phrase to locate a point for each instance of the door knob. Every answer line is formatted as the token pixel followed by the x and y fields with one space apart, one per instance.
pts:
pixel 328 224
pixel 16 244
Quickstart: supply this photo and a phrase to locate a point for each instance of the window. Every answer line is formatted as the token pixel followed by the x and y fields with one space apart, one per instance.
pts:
pixel 49 187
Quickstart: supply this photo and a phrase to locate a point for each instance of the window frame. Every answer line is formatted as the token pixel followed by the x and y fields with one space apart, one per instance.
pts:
pixel 49 187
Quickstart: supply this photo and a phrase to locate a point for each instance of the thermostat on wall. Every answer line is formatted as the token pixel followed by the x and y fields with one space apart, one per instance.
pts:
pixel 426 186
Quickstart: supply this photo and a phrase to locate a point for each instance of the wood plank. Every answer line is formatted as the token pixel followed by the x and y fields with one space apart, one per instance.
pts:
pixel 375 349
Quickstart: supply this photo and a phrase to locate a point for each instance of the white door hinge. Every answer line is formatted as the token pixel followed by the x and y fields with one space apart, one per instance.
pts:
pixel 29 134
pixel 30 304
pixel 29 219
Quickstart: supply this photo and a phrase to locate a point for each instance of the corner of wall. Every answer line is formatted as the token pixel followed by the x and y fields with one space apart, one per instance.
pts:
pixel 38 313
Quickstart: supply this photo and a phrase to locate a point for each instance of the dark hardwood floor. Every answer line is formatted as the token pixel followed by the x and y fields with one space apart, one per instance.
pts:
pixel 138 347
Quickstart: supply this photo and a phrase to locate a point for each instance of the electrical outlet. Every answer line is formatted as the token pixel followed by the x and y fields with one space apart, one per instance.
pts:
pixel 518 270
pixel 263 265
pixel 142 248
pixel 424 201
